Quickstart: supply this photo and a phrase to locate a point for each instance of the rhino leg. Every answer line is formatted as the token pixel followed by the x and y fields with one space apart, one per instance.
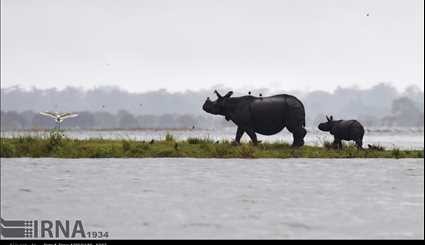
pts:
pixel 239 133
pixel 337 143
pixel 298 133
pixel 359 143
pixel 252 135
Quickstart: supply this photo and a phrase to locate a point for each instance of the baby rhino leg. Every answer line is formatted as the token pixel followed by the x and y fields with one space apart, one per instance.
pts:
pixel 337 143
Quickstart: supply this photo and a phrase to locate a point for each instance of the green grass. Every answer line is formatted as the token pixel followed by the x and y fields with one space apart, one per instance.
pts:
pixel 56 145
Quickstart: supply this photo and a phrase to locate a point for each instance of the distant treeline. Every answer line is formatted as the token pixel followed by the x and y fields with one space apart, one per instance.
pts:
pixel 111 107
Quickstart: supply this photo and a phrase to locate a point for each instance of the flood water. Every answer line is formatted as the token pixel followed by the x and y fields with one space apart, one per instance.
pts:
pixel 403 138
pixel 217 198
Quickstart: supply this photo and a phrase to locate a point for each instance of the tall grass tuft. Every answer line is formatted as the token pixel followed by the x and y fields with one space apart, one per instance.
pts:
pixel 126 146
pixel 169 138
pixel 55 140
pixel 196 141
pixel 396 153
pixel 328 145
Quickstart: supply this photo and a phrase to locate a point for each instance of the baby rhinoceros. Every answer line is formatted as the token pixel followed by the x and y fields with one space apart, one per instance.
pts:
pixel 344 130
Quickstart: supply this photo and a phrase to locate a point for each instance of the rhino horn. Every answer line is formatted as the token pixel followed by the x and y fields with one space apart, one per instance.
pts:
pixel 228 94
pixel 218 94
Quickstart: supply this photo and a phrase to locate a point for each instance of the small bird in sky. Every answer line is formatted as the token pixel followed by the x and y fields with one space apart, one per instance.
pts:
pixel 59 117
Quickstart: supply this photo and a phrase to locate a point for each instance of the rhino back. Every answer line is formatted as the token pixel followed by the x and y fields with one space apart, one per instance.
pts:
pixel 271 114
pixel 348 130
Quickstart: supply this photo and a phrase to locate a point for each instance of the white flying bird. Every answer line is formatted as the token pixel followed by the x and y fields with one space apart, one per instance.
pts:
pixel 59 117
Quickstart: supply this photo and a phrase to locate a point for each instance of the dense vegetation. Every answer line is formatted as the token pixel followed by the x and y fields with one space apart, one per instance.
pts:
pixel 56 145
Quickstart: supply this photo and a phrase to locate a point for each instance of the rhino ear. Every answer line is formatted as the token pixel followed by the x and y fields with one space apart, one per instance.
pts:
pixel 218 94
pixel 332 118
pixel 228 94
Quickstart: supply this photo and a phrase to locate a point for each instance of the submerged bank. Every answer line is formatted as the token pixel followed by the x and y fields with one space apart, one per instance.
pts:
pixel 61 147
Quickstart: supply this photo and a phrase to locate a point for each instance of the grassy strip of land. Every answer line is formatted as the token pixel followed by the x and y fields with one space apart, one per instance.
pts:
pixel 60 147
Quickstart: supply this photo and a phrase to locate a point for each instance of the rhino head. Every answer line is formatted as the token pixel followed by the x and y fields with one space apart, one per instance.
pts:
pixel 327 126
pixel 218 106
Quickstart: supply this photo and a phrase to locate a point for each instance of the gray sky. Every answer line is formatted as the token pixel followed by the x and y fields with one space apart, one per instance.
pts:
pixel 191 44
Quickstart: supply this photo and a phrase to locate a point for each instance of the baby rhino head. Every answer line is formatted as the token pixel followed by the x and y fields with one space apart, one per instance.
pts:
pixel 327 126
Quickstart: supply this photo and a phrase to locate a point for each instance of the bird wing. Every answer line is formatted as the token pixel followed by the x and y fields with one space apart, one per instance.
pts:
pixel 68 115
pixel 49 114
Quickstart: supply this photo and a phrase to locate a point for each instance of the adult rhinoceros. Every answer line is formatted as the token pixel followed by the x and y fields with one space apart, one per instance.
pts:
pixel 263 115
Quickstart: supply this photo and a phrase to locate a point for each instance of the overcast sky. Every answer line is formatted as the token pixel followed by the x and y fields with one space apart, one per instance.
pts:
pixel 144 45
